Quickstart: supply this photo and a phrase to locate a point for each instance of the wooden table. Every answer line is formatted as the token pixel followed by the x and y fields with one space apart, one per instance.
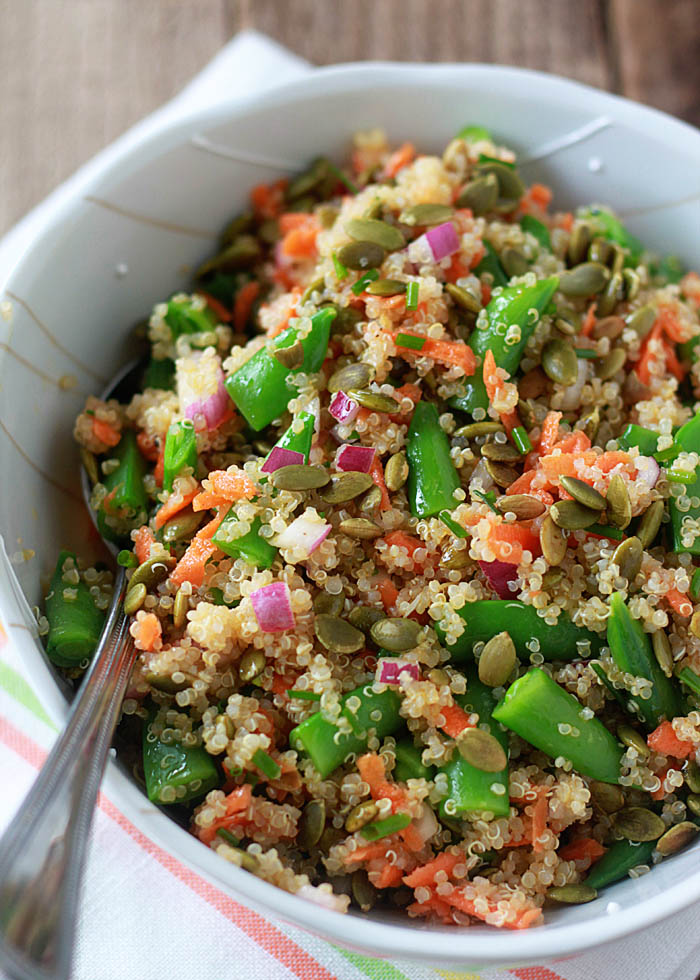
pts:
pixel 76 73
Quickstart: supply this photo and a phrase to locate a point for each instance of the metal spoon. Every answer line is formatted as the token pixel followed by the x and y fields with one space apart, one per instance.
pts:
pixel 42 853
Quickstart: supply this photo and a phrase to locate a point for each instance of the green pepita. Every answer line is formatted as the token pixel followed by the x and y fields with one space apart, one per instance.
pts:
pixel 618 503
pixel 89 461
pixel 692 776
pixel 306 182
pixel 327 215
pixel 151 572
pixel 501 473
pixel 426 214
pixel 385 287
pixel 608 326
pixel 375 401
pixel 476 429
pixel 311 824
pixel 361 815
pixel 497 660
pixel 694 625
pixel 182 526
pixel 523 505
pixel 479 195
pixel 579 243
pixel 637 823
pixel 251 665
pixel 590 424
pixel 514 262
pixel 165 683
pixel 317 286
pixel 631 284
pixel 693 803
pixel 355 375
pixel 553 542
pixel 361 255
pixel 642 320
pixel 181 605
pixel 552 577
pixel 628 558
pixel 608 366
pixel 135 598
pixel 361 528
pixel 379 233
pixel 583 492
pixel 364 617
pixel 482 750
pixel 631 739
pixel 586 279
pixel 346 320
pixel 577 894
pixel 608 797
pixel 500 452
pixel 337 635
pixel 564 325
pixel 454 558
pixel 243 251
pixel 363 891
pixel 300 477
pixel 559 361
pixel 572 516
pixel 371 500
pixel 463 298
pixel 328 604
pixel 677 837
pixel 662 649
pixel 396 472
pixel 290 357
pixel 510 186
pixel 346 486
pixel 396 635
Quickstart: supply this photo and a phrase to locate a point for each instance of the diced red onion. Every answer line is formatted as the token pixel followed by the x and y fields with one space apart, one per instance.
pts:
pixel 443 240
pixel 499 574
pixel 308 531
pixel 213 408
pixel 356 458
pixel 281 457
pixel 273 608
pixel 648 470
pixel 342 408
pixel 389 670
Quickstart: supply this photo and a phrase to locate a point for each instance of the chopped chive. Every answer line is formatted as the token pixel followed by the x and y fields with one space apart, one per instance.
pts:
pixel 127 559
pixel 666 455
pixel 408 340
pixel 488 498
pixel 266 764
pixel 382 828
pixel 305 695
pixel 412 296
pixel 337 172
pixel 690 679
pixel 585 353
pixel 522 440
pixel 365 279
pixel 228 837
pixel 695 585
pixel 341 270
pixel 603 531
pixel 680 476
pixel 451 524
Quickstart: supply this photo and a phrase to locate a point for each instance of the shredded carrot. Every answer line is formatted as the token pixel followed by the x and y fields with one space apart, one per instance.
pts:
pixel 574 442
pixel 540 809
pixel 411 837
pixel 431 905
pixel 450 352
pixel 388 592
pixel 485 293
pixel 407 390
pixel 237 801
pixel 377 474
pixel 147 446
pixel 523 919
pixel 550 432
pixel 371 768
pixel 664 739
pixel 579 850
pixel 589 321
pixel 143 539
pixel 491 379
pixel 399 159
pixel 679 602
pixel 291 311
pixel 523 484
pixel 224 485
pixel 566 221
pixel 407 541
pixel 159 471
pixel 190 568
pixel 510 420
pixel 105 433
pixel 216 307
pixel 173 505
pixel 367 853
pixel 388 877
pixel 425 874
pixel 299 235
pixel 677 369
pixel 268 199
pixel 671 325
pixel 146 631
pixel 457 269
pixel 456 720
pixel 509 541
pixel 539 195
pixel 243 304
pixel 643 365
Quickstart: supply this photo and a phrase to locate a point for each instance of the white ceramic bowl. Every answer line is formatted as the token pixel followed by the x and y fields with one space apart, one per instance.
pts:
pixel 94 268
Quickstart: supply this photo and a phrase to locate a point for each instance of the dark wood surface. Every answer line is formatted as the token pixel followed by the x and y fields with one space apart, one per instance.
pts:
pixel 76 73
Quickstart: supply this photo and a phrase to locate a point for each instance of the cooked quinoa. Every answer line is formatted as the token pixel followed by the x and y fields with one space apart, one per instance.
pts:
pixel 408 498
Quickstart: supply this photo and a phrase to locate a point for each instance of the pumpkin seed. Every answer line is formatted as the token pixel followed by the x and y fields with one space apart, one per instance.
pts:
pixel 269 231
pixel 642 320
pixel 662 648
pixel 618 504
pixel 360 527
pixel 355 375
pixel 601 250
pixel 501 452
pixel 455 559
pixel 375 401
pixel 552 541
pixel 438 677
pixel 396 635
pixel 583 280
pixel 611 295
pixel 572 516
pixel 317 286
pixel 151 572
pixel 377 232
pixel 514 262
pixel 346 320
pixel 633 391
pixel 426 214
pixel 638 824
pixel 590 423
pixel 693 803
pixel 371 500
pixel 583 492
pixel 311 824
pixel 183 525
pixel 327 215
pixel 476 429
pixel 364 617
pixel 180 607
pixel 694 625
pixel 251 665
pixel 579 242
pixel 482 750
pixel 396 472
pixel 165 683
pixel 523 505
pixel 608 797
pixel 385 287
pixel 463 298
pixel 510 186
pixel 628 558
pixel 375 209
pixel 577 894
pixel 290 357
pixel 331 605
pixel 361 815
pixel 361 255
pixel 501 474
pixel 552 577
pixel 565 326
pixel 363 891
pixel 650 523
pixel 633 740
pixel 479 195
pixel 608 326
pixel 346 486
pixel 337 635
pixel 533 384
pixel 559 361
pixel 677 837
pixel 89 461
pixel 632 284
pixel 608 366
pixel 243 251
pixel 692 776
pixel 299 476
pixel 235 227
pixel 135 598
pixel 497 660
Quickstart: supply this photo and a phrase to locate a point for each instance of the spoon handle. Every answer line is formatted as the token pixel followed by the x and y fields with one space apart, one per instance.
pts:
pixel 42 853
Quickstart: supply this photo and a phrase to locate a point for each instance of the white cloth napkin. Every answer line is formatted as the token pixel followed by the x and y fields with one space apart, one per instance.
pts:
pixel 144 916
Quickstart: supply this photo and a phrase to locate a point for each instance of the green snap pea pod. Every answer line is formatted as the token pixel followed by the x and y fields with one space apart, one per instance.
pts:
pixel 620 858
pixel 169 767
pixel 299 442
pixel 607 224
pixel 669 269
pixel 127 505
pixel 183 317
pixel 470 789
pixel 323 742
pixel 519 306
pixel 688 439
pixel 491 264
pixel 474 134
pixel 432 477
pixel 160 374
pixel 538 230
pixel 251 546
pixel 75 622
pixel 537 709
pixel 409 764
pixel 180 451
pixel 631 650
pixel 260 388
pixel 487 617
pixel 646 441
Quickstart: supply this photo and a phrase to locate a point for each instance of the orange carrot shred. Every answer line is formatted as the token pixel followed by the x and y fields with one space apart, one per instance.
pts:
pixel 664 739
pixel 584 847
pixel 388 592
pixel 190 568
pixel 550 432
pixel 456 720
pixel 105 433
pixel 146 631
pixel 377 474
pixel 399 159
pixel 679 602
pixel 143 539
pixel 173 505
pixel 243 304
pixel 216 307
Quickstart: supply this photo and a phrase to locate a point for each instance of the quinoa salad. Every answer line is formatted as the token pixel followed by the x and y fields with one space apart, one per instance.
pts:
pixel 409 501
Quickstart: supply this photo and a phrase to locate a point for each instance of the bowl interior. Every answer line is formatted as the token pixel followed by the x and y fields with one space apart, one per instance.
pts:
pixel 130 233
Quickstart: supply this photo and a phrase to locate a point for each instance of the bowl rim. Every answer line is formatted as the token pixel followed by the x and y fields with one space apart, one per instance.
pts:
pixel 150 138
